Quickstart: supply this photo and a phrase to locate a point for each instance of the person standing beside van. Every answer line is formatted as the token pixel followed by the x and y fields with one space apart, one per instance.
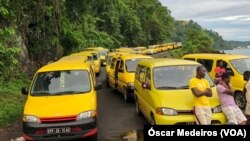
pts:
pixel 219 70
pixel 201 90
pixel 246 75
pixel 229 107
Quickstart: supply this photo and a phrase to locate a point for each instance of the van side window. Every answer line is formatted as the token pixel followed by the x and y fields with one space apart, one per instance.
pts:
pixel 142 74
pixel 121 66
pixel 208 64
pixel 228 68
pixel 148 75
pixel 191 59
pixel 137 72
pixel 113 63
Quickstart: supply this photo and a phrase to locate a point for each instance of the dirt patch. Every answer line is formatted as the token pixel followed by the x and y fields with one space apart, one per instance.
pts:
pixel 12 130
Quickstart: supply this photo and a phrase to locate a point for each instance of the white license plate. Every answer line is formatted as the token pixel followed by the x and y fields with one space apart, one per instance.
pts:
pixel 58 130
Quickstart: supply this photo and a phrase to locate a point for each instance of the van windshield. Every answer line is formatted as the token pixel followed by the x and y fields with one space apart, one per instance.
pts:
pixel 103 53
pixel 175 77
pixel 241 65
pixel 131 64
pixel 61 83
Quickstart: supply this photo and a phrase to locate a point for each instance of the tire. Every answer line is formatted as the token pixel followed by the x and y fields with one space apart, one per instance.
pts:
pixel 152 120
pixel 94 138
pixel 240 100
pixel 97 74
pixel 138 112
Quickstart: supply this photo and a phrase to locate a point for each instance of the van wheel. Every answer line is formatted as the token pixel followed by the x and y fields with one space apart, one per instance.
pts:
pixel 152 119
pixel 240 100
pixel 94 138
pixel 137 107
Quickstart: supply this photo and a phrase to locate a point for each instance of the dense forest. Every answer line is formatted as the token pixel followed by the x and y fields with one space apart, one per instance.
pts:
pixel 33 32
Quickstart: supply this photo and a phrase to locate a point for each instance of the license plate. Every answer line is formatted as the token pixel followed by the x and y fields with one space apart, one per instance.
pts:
pixel 58 130
pixel 190 123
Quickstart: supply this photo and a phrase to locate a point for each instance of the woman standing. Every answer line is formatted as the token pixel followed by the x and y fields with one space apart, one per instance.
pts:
pixel 246 75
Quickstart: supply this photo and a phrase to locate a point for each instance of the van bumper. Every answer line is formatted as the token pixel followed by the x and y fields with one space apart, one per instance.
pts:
pixel 79 129
pixel 217 118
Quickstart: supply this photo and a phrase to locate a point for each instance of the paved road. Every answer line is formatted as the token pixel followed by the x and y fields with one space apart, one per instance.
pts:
pixel 115 116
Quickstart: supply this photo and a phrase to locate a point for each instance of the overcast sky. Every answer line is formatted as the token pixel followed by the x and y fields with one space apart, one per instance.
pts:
pixel 230 18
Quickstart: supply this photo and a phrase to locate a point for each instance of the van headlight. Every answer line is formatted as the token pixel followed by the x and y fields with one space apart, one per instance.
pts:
pixel 217 109
pixel 30 118
pixel 166 111
pixel 86 114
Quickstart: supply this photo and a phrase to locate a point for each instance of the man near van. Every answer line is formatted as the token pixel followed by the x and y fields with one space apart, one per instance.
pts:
pixel 229 107
pixel 246 75
pixel 201 90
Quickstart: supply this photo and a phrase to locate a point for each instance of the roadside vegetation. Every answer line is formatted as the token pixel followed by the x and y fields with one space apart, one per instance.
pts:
pixel 12 101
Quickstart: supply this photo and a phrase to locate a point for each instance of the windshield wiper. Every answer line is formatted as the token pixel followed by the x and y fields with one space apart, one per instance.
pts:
pixel 40 93
pixel 183 87
pixel 172 87
pixel 167 87
pixel 67 92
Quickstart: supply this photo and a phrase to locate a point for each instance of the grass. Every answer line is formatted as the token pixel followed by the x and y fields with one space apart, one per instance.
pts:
pixel 12 101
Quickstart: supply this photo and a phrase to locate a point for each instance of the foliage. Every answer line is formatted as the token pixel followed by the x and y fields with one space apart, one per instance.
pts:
pixel 195 39
pixel 8 55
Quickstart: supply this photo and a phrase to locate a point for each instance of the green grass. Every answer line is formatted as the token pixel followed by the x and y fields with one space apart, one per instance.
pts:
pixel 12 101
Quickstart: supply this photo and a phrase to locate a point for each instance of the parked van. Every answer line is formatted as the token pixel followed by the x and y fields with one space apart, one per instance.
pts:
pixel 109 60
pixel 61 103
pixel 102 53
pixel 162 93
pixel 96 59
pixel 122 73
pixel 139 50
pixel 234 64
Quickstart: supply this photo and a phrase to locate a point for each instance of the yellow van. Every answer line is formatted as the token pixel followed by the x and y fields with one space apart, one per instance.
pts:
pixel 122 73
pixel 61 103
pixel 109 60
pixel 102 53
pixel 124 49
pixel 139 50
pixel 153 49
pixel 234 64
pixel 90 59
pixel 150 50
pixel 96 59
pixel 162 93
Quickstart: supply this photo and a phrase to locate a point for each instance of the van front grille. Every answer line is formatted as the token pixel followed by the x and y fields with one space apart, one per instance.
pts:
pixel 58 119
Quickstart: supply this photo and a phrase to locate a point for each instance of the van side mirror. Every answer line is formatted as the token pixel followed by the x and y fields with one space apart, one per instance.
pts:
pixel 24 91
pixel 98 86
pixel 145 85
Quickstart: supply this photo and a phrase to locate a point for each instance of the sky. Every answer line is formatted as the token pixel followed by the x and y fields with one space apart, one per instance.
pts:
pixel 230 18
